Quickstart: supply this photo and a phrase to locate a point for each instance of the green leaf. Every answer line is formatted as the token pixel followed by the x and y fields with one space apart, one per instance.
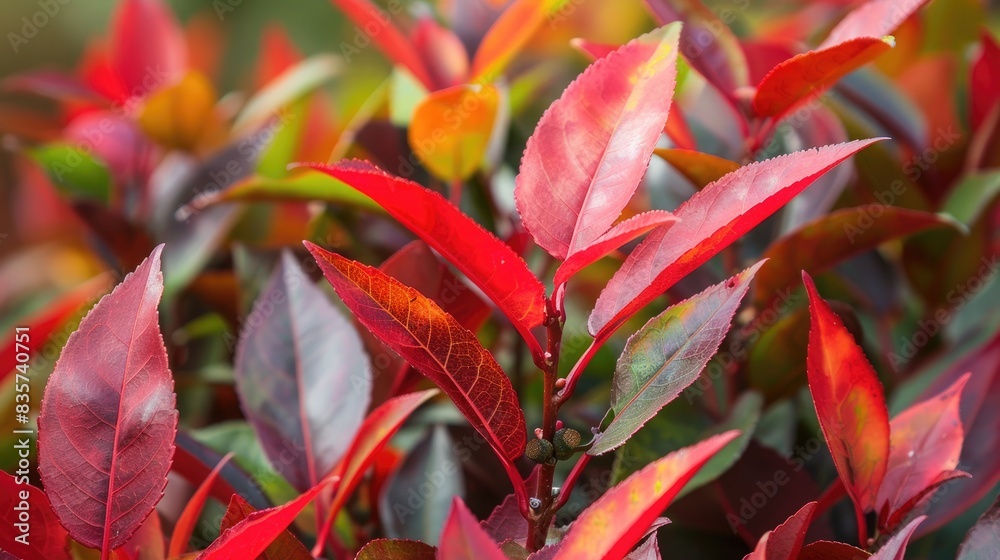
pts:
pixel 76 174
pixel 304 185
pixel 973 195
pixel 667 355
pixel 290 86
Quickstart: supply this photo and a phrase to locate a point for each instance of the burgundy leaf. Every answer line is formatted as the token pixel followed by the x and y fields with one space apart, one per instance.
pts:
pixel 785 541
pixel 708 222
pixel 302 375
pixel 592 146
pixel 107 422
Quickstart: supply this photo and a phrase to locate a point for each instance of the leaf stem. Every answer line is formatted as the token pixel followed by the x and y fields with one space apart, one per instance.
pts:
pixel 571 478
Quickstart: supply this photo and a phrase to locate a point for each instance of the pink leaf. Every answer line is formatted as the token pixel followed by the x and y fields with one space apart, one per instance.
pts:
pixel 592 146
pixel 895 548
pixel 707 223
pixel 876 18
pixel 107 422
pixel 463 539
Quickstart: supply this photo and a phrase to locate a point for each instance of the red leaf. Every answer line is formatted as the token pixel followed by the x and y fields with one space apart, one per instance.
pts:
pixel 107 422
pixel 505 522
pixel 434 343
pixel 376 25
pixel 302 376
pixel 147 542
pixel 876 18
pixel 708 222
pixel 284 547
pixel 835 237
pixel 828 550
pixel 925 446
pixel 615 237
pixel 487 261
pixel 507 36
pixel 592 146
pixel 895 548
pixel 984 78
pixel 149 50
pixel 396 549
pixel 251 537
pixel 983 540
pixel 612 525
pixel 707 42
pixel 188 519
pixel 648 550
pixel 370 439
pixel 806 76
pixel 785 541
pixel 463 539
pixel 849 402
pixel 47 540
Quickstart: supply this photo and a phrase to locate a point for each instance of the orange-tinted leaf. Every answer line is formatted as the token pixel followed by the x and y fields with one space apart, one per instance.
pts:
pixel 895 548
pixel 835 237
pixel 148 49
pixel 396 549
pixel 983 540
pixel 699 168
pixel 849 402
pixel 592 146
pixel 47 539
pixel 488 262
pixel 284 547
pixel 507 37
pixel 612 525
pixel 107 421
pixel 387 37
pixel 785 541
pixel 876 18
pixel 451 129
pixel 463 539
pixel 433 342
pixel 707 43
pixel 370 439
pixel 188 519
pixel 618 235
pixel 708 222
pixel 925 445
pixel 254 534
pixel 806 76
pixel 182 115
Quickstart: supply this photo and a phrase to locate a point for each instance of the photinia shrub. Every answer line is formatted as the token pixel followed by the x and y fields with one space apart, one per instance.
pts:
pixel 467 314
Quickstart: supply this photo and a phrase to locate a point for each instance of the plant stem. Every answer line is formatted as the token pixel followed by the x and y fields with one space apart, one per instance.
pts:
pixel 571 478
pixel 540 518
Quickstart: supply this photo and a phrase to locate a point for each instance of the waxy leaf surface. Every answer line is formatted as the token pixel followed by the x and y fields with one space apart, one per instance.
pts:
pixel 284 547
pixel 302 375
pixel 806 76
pixel 436 344
pixel 612 525
pixel 463 539
pixel 488 262
pixel 592 146
pixel 708 222
pixel 667 354
pixel 925 443
pixel 835 237
pixel 785 541
pixel 107 420
pixel 849 402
